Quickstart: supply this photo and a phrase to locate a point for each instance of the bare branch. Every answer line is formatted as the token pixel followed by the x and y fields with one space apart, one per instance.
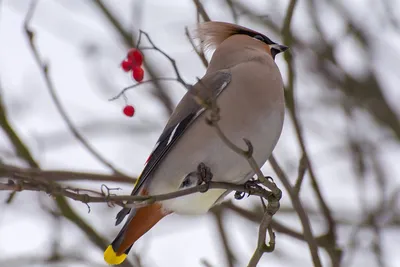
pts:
pixel 36 173
pixel 201 10
pixel 45 71
pixel 262 247
pixel 296 202
pixel 173 62
pixel 198 51
pixel 154 80
pixel 79 194
pixel 161 92
pixel 231 6
pixel 123 91
pixel 291 104
pixel 61 201
pixel 303 165
pixel 229 255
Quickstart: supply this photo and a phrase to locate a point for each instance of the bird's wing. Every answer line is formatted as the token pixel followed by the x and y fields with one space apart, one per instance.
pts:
pixel 186 112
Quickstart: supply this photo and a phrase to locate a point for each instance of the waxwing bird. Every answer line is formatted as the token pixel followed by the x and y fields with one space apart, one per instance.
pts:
pixel 248 87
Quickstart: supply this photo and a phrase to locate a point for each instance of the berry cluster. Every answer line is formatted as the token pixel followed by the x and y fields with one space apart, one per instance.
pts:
pixel 133 62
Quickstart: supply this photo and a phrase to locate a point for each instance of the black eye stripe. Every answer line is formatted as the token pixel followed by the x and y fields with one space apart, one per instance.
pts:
pixel 264 39
pixel 259 37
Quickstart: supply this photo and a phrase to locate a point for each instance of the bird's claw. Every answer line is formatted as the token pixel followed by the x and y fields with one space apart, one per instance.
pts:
pixel 239 195
pixel 250 186
pixel 204 175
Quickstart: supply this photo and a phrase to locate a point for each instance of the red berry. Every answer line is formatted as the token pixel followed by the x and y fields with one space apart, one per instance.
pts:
pixel 138 74
pixel 135 56
pixel 126 65
pixel 129 110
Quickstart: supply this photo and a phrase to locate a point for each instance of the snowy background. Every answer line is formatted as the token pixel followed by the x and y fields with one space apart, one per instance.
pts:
pixel 346 62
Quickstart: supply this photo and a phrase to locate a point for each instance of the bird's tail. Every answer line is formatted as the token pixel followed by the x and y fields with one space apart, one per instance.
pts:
pixel 136 226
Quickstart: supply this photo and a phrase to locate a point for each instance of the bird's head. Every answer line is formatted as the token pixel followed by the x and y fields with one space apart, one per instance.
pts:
pixel 212 34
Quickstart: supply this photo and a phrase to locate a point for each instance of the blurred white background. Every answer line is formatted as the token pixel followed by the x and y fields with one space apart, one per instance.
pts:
pixel 346 63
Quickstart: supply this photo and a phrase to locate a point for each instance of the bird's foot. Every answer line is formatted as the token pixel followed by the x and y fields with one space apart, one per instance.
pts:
pixel 204 175
pixel 250 186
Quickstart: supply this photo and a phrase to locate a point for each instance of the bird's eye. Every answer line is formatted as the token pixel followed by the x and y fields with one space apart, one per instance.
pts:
pixel 259 37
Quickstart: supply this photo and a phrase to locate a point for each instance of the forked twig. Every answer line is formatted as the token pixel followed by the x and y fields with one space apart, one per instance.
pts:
pixel 178 75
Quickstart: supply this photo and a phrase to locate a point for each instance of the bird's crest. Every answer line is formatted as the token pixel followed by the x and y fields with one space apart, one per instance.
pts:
pixel 213 33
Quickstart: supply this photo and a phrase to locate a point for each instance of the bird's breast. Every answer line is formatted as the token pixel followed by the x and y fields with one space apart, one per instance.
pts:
pixel 251 107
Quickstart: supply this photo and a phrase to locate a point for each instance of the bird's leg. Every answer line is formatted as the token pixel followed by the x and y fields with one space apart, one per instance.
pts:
pixel 204 175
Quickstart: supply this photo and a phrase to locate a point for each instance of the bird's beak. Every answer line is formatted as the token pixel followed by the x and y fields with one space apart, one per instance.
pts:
pixel 276 49
pixel 280 48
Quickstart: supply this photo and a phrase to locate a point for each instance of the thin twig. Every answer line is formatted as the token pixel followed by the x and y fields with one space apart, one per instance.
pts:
pixel 61 201
pixel 123 91
pixel 32 173
pixel 20 147
pixel 114 21
pixel 256 217
pixel 205 263
pixel 154 80
pixel 49 84
pixel 173 62
pixel 297 205
pixel 291 104
pixel 277 226
pixel 198 51
pixel 201 10
pixel 161 92
pixel 231 6
pixel 262 234
pixel 303 165
pixel 288 39
pixel 27 184
pixel 229 255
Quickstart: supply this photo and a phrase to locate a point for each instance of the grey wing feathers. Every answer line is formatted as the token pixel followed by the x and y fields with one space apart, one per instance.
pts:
pixel 184 114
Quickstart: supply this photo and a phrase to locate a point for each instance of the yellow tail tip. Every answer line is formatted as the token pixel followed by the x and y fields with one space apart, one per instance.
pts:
pixel 112 258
